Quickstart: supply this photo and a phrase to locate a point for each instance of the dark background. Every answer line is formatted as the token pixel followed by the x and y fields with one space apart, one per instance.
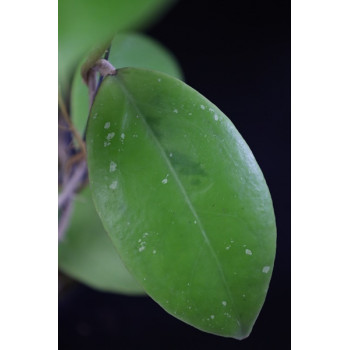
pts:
pixel 237 54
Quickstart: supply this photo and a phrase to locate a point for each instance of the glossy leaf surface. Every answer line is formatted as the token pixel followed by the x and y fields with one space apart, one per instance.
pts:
pixel 87 253
pixel 85 23
pixel 183 199
pixel 127 50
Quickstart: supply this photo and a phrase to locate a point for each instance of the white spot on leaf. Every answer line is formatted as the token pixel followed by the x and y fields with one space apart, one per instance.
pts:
pixel 224 303
pixel 203 107
pixel 112 166
pixel 175 110
pixel 142 246
pixel 110 136
pixel 266 269
pixel 216 117
pixel 113 185
pixel 165 180
pixel 107 125
pixel 248 252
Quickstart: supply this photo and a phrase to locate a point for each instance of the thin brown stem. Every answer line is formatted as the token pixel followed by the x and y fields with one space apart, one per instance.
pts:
pixel 64 128
pixel 76 158
pixel 64 219
pixel 71 186
pixel 67 119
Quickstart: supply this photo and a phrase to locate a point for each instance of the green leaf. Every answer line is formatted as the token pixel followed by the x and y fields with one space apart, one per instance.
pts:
pixel 183 199
pixel 127 50
pixel 87 253
pixel 140 51
pixel 85 23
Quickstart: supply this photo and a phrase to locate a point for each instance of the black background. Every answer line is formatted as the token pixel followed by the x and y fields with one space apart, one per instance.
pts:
pixel 237 54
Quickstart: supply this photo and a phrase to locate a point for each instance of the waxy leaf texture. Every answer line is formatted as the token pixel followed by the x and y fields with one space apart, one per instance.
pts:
pixel 183 199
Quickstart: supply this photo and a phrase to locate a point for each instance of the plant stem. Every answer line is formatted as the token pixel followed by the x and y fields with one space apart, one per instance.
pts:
pixel 73 183
pixel 67 119
pixel 66 212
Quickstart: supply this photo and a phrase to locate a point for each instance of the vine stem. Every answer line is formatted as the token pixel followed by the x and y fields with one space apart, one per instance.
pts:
pixel 65 198
pixel 73 181
pixel 66 213
pixel 72 184
pixel 67 119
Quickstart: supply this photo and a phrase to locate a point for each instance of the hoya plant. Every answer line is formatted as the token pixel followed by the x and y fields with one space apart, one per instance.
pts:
pixel 159 194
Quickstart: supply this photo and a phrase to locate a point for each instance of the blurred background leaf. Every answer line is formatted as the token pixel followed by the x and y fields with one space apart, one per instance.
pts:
pixel 87 254
pixel 84 23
